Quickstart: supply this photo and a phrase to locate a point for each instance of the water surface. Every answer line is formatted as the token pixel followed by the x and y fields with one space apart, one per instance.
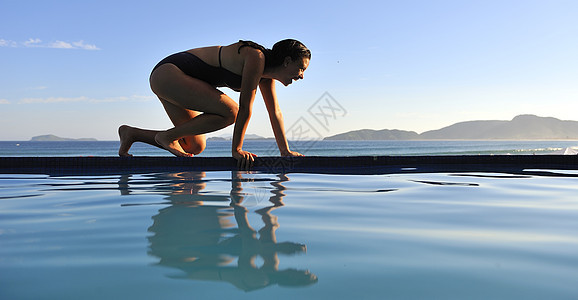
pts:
pixel 237 235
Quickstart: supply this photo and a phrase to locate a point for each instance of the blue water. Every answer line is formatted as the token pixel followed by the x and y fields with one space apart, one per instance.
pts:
pixel 312 148
pixel 236 235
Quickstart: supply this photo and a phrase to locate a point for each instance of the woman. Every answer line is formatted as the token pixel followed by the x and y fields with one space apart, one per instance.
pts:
pixel 186 84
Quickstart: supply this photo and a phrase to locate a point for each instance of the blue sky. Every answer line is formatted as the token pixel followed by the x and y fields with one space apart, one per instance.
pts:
pixel 80 68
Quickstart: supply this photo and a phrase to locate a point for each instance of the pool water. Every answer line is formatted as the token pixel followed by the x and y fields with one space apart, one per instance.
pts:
pixel 239 235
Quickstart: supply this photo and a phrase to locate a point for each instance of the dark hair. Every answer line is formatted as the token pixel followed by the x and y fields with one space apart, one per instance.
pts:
pixel 275 57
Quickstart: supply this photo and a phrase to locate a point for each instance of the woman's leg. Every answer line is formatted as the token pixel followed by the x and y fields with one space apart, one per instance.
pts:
pixel 183 98
pixel 181 93
pixel 193 144
pixel 189 144
pixel 129 135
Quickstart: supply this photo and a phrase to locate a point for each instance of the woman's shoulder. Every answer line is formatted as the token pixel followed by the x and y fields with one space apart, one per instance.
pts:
pixel 250 46
pixel 242 50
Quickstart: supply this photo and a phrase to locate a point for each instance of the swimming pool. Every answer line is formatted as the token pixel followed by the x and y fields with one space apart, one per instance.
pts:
pixel 243 235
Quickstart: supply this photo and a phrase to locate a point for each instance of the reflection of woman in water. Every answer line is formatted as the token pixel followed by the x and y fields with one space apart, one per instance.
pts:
pixel 186 86
pixel 199 238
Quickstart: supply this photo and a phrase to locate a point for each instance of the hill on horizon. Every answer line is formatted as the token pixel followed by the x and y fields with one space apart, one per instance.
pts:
pixel 522 127
pixel 54 138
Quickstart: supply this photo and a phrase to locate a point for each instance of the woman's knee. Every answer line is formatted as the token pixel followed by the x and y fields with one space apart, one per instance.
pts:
pixel 193 144
pixel 229 114
pixel 232 116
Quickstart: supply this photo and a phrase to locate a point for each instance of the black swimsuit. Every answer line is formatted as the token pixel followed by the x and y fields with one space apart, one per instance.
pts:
pixel 193 66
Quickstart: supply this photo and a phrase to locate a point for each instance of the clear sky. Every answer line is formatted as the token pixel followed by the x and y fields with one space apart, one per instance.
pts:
pixel 80 68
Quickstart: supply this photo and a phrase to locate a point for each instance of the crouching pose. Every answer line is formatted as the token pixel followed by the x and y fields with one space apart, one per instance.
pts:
pixel 186 84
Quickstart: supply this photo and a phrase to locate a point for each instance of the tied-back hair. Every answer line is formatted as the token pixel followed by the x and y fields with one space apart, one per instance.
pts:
pixel 275 57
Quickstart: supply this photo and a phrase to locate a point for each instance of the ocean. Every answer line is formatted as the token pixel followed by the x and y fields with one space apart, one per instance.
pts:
pixel 310 148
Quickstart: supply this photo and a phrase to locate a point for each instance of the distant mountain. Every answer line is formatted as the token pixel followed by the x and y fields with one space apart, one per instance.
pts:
pixel 248 136
pixel 53 138
pixel 255 137
pixel 218 138
pixel 369 134
pixel 522 127
pixel 528 127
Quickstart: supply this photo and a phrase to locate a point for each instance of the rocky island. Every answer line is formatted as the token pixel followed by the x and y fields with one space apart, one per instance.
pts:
pixel 522 127
pixel 54 138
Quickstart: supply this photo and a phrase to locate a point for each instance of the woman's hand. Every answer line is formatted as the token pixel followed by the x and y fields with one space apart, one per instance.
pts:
pixel 290 153
pixel 245 160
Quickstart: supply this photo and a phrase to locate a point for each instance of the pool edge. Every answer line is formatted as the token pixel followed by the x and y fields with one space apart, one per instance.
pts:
pixel 308 164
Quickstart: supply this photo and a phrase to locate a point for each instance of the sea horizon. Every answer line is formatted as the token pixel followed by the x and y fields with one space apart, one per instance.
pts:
pixel 268 147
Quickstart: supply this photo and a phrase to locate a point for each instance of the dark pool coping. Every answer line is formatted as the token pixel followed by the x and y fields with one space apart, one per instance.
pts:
pixel 308 164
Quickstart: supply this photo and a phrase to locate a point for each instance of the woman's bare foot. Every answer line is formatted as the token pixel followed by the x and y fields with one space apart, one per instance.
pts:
pixel 126 140
pixel 173 146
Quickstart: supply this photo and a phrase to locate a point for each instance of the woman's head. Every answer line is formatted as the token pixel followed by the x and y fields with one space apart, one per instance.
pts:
pixel 288 48
pixel 289 58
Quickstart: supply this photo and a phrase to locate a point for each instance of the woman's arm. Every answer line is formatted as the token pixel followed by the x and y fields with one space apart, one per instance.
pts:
pixel 252 71
pixel 267 87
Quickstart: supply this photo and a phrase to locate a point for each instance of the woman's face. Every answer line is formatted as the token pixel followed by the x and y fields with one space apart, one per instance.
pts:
pixel 293 70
